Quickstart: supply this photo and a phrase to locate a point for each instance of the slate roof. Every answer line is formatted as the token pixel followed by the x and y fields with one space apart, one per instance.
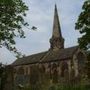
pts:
pixel 61 54
pixel 29 59
pixel 48 56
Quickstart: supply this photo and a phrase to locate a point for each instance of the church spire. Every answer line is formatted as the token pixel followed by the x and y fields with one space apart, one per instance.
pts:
pixel 56 24
pixel 57 41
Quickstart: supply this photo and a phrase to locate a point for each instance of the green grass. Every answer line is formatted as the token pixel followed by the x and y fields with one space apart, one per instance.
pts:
pixel 64 87
pixel 69 87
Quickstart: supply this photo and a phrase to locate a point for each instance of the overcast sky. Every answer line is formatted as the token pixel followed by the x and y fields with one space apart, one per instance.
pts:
pixel 41 14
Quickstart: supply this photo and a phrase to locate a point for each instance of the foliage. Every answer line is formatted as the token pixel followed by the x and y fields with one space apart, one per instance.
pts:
pixel 83 25
pixel 12 14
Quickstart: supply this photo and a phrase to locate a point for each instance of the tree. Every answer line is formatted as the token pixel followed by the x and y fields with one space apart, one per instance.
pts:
pixel 83 25
pixel 12 13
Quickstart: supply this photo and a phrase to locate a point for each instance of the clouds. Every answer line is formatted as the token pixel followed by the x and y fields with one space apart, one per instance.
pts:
pixel 5 56
pixel 41 14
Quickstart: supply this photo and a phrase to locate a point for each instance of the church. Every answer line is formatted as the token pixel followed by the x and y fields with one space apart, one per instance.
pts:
pixel 58 64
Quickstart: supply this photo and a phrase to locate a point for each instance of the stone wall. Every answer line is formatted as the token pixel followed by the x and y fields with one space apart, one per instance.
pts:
pixel 9 78
pixel 54 72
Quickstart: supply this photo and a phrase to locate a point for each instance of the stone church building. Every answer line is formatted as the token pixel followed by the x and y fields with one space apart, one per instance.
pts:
pixel 58 64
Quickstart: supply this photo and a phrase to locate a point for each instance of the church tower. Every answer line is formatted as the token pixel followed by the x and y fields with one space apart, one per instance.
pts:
pixel 57 41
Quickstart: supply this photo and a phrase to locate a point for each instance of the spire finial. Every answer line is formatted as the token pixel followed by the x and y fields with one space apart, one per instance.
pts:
pixel 55 6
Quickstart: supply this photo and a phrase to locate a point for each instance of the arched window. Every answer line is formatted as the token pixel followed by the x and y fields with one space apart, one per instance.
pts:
pixel 54 66
pixel 20 70
pixel 81 60
pixel 42 69
pixel 26 70
pixel 49 70
pixel 64 68
pixel 72 74
pixel 55 76
pixel 54 73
